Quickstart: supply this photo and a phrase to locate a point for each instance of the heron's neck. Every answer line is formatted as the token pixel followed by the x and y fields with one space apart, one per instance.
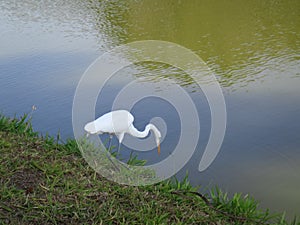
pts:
pixel 141 134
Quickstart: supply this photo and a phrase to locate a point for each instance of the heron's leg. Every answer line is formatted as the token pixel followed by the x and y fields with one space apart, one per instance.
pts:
pixel 119 148
pixel 122 163
pixel 108 153
pixel 109 143
pixel 120 137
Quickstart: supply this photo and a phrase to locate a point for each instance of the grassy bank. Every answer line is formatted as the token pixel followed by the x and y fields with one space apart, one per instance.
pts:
pixel 45 181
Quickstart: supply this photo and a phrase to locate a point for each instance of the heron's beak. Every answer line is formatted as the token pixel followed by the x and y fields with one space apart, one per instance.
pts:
pixel 158 148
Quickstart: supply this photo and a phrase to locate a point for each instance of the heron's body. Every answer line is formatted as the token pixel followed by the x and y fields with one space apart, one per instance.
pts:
pixel 119 123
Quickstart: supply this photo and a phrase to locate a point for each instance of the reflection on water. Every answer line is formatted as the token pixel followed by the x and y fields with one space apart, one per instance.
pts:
pixel 31 27
pixel 238 41
pixel 251 46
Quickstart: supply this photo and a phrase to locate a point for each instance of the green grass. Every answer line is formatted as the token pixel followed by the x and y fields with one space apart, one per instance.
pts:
pixel 45 181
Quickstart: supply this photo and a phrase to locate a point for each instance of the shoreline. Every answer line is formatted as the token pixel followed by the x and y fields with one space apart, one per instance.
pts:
pixel 46 181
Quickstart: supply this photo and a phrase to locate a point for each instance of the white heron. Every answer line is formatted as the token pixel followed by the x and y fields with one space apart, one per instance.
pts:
pixel 119 123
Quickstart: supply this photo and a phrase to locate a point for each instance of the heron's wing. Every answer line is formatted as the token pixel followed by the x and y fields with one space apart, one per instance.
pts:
pixel 114 122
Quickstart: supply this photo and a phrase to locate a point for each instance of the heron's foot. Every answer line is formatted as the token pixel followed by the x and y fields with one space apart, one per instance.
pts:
pixel 115 168
pixel 121 165
pixel 125 165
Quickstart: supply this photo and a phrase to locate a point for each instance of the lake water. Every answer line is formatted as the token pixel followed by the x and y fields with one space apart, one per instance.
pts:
pixel 252 47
